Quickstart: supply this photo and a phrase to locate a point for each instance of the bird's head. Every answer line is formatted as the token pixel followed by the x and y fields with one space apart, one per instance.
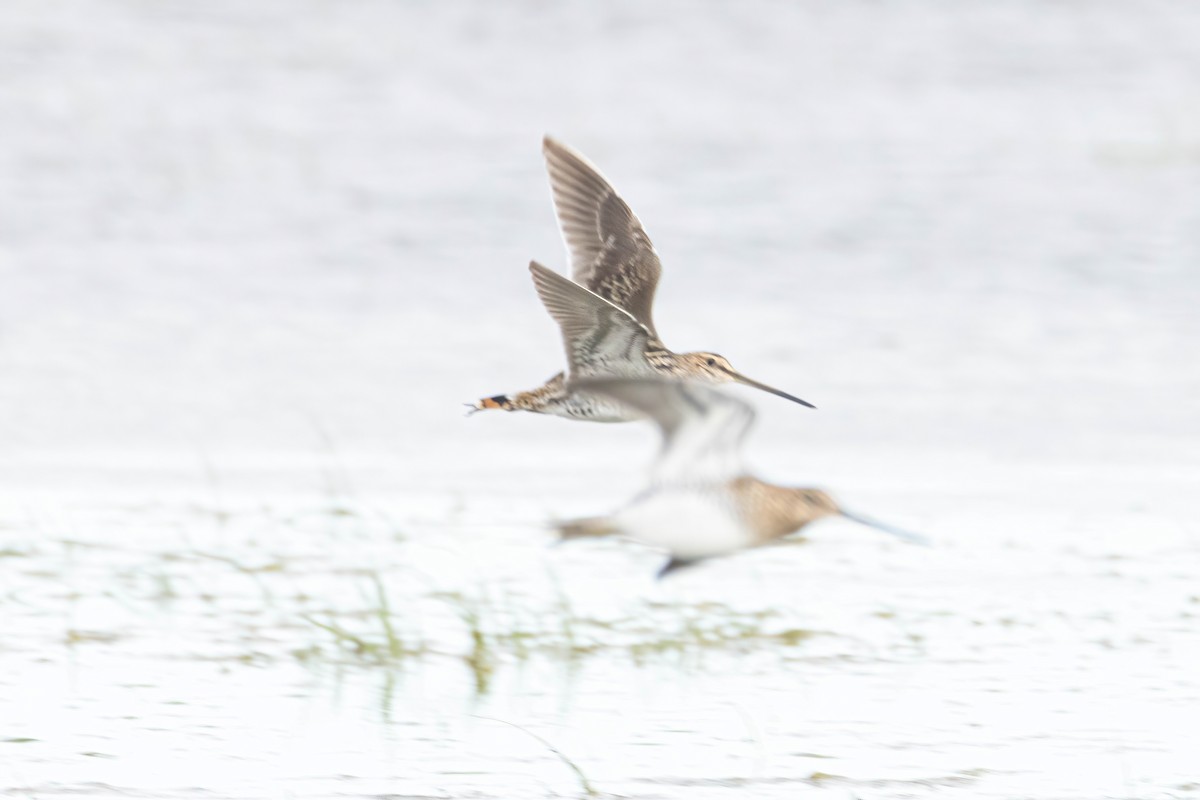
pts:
pixel 713 368
pixel 816 503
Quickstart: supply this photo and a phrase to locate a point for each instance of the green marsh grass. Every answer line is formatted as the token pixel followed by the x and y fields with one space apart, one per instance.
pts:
pixel 495 626
pixel 400 615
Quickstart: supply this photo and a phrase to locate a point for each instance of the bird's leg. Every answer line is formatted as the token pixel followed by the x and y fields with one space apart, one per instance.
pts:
pixel 674 565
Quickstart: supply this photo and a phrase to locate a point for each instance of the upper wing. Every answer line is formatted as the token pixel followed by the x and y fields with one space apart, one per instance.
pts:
pixel 599 337
pixel 610 252
pixel 702 428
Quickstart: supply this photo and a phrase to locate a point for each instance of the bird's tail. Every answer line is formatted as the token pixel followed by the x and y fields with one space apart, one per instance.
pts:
pixel 535 400
pixel 500 401
pixel 585 527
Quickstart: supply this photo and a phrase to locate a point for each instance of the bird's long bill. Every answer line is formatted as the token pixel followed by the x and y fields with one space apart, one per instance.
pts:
pixel 740 378
pixel 900 533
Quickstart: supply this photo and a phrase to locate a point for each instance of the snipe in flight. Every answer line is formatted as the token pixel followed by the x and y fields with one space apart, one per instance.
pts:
pixel 701 503
pixel 605 314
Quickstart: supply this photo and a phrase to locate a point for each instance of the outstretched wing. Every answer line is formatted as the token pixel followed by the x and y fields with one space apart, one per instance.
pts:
pixel 610 252
pixel 599 337
pixel 702 428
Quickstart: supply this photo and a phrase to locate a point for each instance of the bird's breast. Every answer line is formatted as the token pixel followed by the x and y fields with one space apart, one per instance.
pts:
pixel 688 523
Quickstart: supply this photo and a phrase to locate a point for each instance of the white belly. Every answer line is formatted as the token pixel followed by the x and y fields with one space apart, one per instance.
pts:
pixel 688 524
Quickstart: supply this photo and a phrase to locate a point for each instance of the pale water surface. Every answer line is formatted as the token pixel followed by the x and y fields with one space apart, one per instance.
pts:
pixel 254 256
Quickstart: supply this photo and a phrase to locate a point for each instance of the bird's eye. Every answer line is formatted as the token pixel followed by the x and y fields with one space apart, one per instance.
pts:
pixel 712 362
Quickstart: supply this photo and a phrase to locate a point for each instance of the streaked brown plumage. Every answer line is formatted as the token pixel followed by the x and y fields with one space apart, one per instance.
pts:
pixel 769 511
pixel 606 314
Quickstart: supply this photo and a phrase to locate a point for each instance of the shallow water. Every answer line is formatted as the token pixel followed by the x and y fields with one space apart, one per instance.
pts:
pixel 169 648
pixel 254 259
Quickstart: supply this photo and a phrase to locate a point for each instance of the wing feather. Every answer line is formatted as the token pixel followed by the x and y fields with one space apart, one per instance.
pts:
pixel 702 428
pixel 599 337
pixel 610 252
